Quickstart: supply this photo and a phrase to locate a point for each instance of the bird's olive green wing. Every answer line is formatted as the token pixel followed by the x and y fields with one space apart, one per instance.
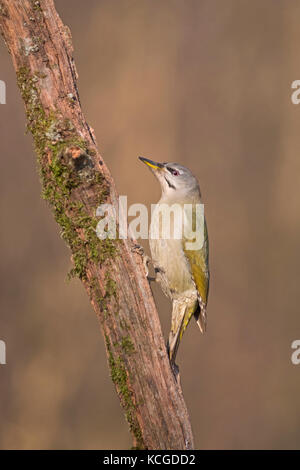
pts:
pixel 198 260
pixel 195 248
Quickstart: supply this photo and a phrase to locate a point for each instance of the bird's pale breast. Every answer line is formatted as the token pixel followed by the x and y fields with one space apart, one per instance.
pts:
pixel 172 266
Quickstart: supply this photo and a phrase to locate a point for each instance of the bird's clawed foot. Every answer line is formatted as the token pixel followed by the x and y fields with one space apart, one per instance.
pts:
pixel 146 260
pixel 175 370
pixel 138 249
pixel 174 367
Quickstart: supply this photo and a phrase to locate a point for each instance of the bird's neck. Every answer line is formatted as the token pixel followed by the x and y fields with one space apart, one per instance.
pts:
pixel 180 198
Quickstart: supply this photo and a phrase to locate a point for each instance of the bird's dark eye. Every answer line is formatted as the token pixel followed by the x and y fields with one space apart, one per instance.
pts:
pixel 172 171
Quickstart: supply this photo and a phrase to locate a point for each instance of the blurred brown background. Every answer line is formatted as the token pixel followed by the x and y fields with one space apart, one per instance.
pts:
pixel 206 83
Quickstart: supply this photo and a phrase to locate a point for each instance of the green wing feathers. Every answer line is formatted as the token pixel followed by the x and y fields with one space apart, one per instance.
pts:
pixel 198 260
pixel 182 311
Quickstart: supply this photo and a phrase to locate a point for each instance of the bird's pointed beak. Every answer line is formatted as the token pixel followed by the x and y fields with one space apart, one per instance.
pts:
pixel 151 164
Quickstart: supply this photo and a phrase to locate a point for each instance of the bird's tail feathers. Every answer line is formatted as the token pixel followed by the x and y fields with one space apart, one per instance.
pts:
pixel 173 344
pixel 181 316
pixel 201 316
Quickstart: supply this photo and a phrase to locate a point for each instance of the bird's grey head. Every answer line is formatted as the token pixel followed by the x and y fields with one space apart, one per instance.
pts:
pixel 177 181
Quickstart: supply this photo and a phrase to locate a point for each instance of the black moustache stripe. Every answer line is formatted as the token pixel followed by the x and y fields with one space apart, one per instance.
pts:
pixel 170 184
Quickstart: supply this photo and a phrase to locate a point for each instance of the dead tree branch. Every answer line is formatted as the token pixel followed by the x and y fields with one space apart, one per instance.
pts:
pixel 75 180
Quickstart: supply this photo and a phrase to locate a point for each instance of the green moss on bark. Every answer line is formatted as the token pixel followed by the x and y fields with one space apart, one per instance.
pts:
pixel 65 173
pixel 127 345
pixel 120 379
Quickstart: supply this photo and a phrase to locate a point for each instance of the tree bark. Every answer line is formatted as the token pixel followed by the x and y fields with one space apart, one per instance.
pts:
pixel 75 180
